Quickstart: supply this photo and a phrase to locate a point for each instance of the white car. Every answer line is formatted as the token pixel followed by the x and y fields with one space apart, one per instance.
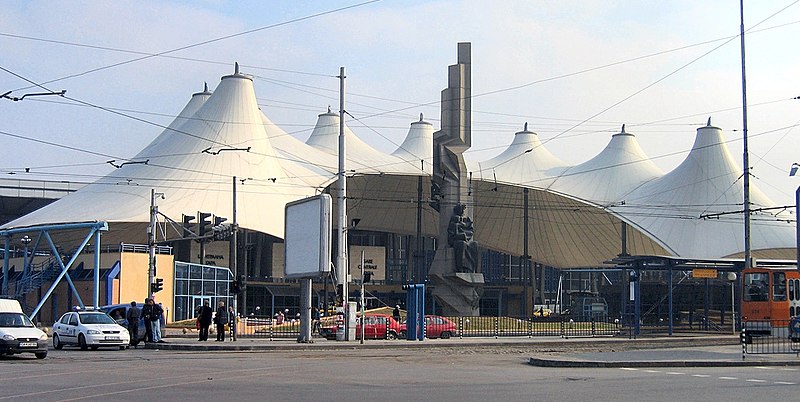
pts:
pixel 89 329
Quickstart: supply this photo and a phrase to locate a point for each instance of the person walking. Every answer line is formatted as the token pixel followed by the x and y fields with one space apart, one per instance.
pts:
pixel 396 313
pixel 204 317
pixel 155 320
pixel 147 313
pixel 315 317
pixel 221 319
pixel 132 315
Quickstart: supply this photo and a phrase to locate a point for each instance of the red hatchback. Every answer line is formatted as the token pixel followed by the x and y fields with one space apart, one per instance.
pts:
pixel 376 326
pixel 435 327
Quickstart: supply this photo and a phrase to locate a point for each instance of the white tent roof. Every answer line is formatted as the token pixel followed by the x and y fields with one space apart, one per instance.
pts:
pixel 611 175
pixel 418 145
pixel 193 163
pixel 576 211
pixel 525 162
pixel 689 209
pixel 361 157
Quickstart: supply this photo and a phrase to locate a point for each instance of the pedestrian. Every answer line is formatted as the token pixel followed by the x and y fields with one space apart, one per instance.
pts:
pixel 155 321
pixel 204 317
pixel 279 318
pixel 132 315
pixel 147 313
pixel 315 317
pixel 234 321
pixel 221 319
pixel 396 313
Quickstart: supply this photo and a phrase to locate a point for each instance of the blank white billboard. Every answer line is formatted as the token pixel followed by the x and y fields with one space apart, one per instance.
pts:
pixel 307 238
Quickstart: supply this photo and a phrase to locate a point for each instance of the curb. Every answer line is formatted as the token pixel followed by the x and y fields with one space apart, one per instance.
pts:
pixel 556 363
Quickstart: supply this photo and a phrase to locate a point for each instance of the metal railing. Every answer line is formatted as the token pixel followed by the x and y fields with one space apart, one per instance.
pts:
pixel 771 337
pixel 535 326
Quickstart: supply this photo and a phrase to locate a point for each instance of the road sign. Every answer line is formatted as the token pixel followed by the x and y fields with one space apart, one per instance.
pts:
pixel 704 273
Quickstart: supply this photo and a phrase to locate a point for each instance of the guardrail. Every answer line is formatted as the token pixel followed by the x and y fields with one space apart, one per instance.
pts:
pixel 771 337
pixel 462 327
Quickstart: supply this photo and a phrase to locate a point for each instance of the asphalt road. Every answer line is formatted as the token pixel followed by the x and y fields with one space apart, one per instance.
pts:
pixel 429 374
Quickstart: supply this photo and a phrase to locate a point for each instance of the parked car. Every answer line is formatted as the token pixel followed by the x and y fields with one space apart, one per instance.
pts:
pixel 89 329
pixel 119 311
pixel 435 327
pixel 17 332
pixel 376 326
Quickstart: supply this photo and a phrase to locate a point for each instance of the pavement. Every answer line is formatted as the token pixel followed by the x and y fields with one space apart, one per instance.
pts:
pixel 682 350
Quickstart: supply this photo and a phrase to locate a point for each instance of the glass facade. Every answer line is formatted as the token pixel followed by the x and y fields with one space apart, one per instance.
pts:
pixel 195 283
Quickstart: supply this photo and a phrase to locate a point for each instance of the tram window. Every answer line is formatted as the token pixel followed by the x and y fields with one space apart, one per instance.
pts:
pixel 778 286
pixel 755 285
pixel 792 296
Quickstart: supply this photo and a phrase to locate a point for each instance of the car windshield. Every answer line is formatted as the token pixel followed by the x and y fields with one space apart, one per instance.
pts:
pixel 96 318
pixel 8 320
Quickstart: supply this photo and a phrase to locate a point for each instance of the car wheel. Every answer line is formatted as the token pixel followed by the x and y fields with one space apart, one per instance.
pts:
pixel 445 335
pixel 41 355
pixel 403 334
pixel 57 342
pixel 95 347
pixel 82 342
pixel 122 347
pixel 391 336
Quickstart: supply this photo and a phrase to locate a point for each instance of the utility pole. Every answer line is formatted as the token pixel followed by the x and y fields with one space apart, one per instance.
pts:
pixel 748 263
pixel 235 261
pixel 341 258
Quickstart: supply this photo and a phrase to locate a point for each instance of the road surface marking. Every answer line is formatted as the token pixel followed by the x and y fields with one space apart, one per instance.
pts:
pixel 728 378
pixel 754 380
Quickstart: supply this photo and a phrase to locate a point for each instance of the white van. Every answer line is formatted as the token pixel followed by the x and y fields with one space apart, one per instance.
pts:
pixel 17 332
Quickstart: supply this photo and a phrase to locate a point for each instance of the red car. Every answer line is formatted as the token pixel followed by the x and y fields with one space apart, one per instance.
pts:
pixel 376 326
pixel 435 327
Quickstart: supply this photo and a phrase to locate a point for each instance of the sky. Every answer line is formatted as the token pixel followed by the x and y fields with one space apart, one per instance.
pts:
pixel 575 71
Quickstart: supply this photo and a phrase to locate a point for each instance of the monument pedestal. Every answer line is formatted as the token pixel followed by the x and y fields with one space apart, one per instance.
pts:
pixel 458 293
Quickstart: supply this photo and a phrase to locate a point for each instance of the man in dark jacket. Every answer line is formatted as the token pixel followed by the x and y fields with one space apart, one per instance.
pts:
pixel 132 315
pixel 221 319
pixel 147 314
pixel 204 316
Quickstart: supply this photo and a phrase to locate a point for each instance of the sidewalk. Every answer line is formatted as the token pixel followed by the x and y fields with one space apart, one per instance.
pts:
pixel 652 351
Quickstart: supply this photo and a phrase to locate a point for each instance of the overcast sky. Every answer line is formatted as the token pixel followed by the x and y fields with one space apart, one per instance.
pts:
pixel 574 70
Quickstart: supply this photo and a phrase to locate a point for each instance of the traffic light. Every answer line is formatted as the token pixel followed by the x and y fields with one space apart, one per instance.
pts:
pixel 223 231
pixel 203 223
pixel 157 286
pixel 187 222
pixel 235 287
pixel 218 220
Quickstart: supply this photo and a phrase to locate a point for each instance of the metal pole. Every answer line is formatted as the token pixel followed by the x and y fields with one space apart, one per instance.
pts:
pixel 235 260
pixel 746 157
pixel 362 296
pixel 341 260
pixel 96 299
pixel 527 260
pixel 4 291
pixel 151 243
pixel 418 254
pixel 797 221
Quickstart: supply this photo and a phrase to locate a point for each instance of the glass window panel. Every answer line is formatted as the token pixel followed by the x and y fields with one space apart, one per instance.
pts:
pixel 222 288
pixel 222 274
pixel 195 272
pixel 181 271
pixel 208 272
pixel 755 286
pixel 181 308
pixel 195 288
pixel 779 286
pixel 208 288
pixel 181 287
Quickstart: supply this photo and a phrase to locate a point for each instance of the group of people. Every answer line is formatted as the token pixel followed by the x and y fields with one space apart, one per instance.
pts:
pixel 205 316
pixel 151 314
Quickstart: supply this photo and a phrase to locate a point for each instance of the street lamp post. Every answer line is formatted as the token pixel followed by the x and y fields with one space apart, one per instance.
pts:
pixel 793 172
pixel 25 241
pixel 732 279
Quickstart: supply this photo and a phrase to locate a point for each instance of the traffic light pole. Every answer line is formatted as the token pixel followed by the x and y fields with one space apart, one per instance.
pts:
pixel 151 243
